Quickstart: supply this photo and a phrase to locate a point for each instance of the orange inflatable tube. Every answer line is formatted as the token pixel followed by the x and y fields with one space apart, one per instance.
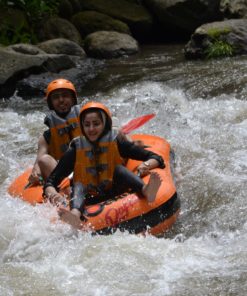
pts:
pixel 127 212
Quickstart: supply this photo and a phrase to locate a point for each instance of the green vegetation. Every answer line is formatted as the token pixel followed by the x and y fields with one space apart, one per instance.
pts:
pixel 10 35
pixel 218 47
pixel 35 9
pixel 14 31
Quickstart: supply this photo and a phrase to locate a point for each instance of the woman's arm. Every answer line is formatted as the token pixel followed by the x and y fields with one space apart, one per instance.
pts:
pixel 130 150
pixel 63 169
pixel 150 159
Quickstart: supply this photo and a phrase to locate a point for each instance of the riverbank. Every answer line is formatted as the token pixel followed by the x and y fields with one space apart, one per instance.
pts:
pixel 74 36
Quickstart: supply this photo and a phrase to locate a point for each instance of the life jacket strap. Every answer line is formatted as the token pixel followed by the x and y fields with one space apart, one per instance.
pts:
pixel 94 171
pixel 67 129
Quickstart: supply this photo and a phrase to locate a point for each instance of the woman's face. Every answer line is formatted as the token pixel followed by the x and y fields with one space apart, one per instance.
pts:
pixel 93 126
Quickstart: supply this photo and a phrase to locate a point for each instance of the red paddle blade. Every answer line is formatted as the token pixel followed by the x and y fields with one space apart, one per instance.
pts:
pixel 135 123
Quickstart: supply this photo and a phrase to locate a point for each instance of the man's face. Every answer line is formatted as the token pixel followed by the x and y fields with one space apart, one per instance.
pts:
pixel 62 100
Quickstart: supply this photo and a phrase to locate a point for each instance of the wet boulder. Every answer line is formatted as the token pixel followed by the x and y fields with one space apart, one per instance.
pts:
pixel 67 8
pixel 234 8
pixel 62 46
pixel 88 22
pixel 25 48
pixel 133 13
pixel 109 44
pixel 179 18
pixel 56 27
pixel 217 39
pixel 20 61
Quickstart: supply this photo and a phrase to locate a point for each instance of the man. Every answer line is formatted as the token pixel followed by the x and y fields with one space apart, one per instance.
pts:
pixel 63 126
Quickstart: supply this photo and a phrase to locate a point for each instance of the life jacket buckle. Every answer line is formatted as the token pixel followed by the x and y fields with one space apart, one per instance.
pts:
pixel 67 129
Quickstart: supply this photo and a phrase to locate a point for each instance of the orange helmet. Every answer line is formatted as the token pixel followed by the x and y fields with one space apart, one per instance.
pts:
pixel 57 84
pixel 99 106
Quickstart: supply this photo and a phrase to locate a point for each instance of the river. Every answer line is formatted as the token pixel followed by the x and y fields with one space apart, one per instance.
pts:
pixel 201 109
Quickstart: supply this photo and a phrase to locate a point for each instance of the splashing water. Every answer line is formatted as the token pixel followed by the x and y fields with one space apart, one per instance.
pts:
pixel 203 254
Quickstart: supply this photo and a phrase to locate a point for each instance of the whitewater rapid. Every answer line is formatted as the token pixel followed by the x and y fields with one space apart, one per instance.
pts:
pixel 203 254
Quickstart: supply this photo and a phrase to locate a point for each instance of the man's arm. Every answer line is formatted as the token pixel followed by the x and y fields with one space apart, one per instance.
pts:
pixel 42 150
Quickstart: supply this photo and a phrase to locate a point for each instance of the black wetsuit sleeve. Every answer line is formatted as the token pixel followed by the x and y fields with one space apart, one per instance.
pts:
pixel 63 169
pixel 130 150
pixel 47 136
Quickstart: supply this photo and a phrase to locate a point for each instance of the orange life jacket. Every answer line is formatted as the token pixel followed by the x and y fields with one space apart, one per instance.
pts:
pixel 63 130
pixel 95 165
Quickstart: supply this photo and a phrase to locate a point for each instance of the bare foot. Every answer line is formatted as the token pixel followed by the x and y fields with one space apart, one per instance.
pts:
pixel 70 218
pixel 151 188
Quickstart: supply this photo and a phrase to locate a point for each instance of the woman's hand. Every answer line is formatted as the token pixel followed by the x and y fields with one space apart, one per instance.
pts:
pixel 143 169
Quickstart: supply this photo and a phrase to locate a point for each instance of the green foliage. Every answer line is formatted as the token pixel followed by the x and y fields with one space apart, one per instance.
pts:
pixel 219 48
pixel 11 35
pixel 35 11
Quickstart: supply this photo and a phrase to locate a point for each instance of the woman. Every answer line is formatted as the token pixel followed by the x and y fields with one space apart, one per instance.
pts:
pixel 97 160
